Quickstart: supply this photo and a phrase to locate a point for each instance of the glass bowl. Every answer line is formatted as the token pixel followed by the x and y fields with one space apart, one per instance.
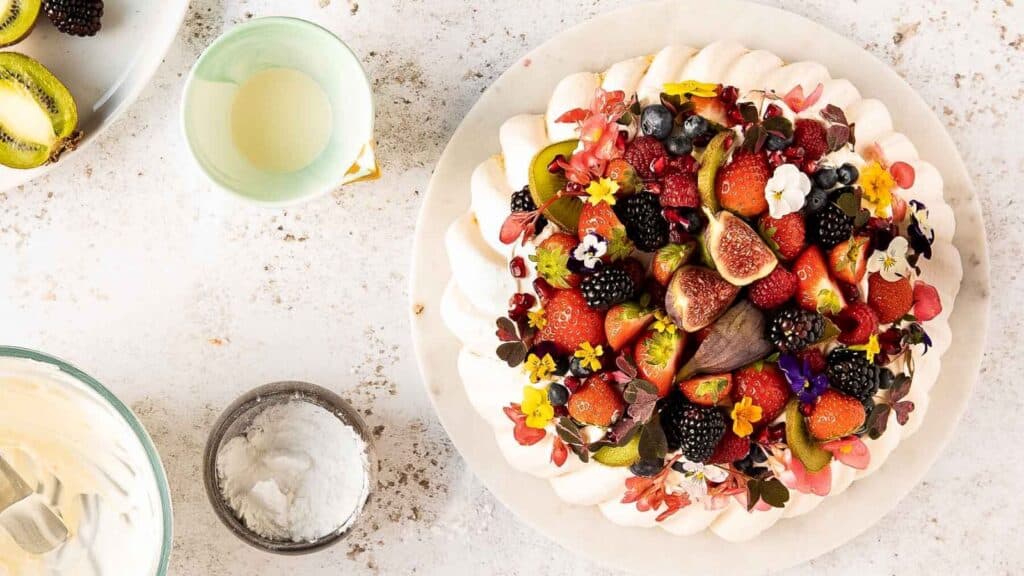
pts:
pixel 236 419
pixel 133 422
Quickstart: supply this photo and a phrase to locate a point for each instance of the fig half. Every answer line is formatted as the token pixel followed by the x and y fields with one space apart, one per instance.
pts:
pixel 38 116
pixel 17 19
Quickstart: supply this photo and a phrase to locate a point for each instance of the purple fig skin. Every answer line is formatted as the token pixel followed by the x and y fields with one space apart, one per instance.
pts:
pixel 739 252
pixel 697 296
pixel 735 340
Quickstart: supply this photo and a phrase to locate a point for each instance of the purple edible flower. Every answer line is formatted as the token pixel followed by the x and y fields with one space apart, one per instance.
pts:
pixel 802 380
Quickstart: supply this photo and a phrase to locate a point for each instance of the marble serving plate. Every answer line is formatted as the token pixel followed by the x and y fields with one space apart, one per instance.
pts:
pixel 526 87
pixel 107 72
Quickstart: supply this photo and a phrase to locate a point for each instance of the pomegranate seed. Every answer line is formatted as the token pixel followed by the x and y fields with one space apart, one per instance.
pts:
pixel 574 188
pixel 806 409
pixel 620 140
pixel 653 187
pixel 658 165
pixel 683 164
pixel 572 383
pixel 810 167
pixel 561 411
pixel 519 304
pixel 735 116
pixel 776 159
pixel 730 94
pixel 517 267
pixel 543 289
pixel 554 166
pixel 794 153
pixel 772 111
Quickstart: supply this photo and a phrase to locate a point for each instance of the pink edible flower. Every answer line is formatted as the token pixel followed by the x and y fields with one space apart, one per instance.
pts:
pixel 850 451
pixel 798 103
pixel 797 477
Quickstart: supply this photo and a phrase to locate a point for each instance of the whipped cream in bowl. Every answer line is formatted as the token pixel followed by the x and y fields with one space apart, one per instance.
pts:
pixel 92 461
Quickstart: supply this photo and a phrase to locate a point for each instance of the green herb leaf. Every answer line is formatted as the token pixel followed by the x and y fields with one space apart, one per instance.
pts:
pixel 774 493
pixel 653 445
pixel 779 125
pixel 849 203
pixel 753 493
pixel 639 391
pixel 569 432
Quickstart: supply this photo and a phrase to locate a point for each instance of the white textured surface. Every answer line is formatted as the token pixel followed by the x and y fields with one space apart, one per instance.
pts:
pixel 126 263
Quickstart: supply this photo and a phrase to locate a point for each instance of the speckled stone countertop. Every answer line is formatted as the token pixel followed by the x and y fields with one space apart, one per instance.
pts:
pixel 125 262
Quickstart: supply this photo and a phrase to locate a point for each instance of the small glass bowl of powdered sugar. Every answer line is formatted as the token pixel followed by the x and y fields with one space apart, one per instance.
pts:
pixel 289 467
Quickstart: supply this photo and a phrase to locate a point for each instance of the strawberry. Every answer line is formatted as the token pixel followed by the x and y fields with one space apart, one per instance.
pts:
pixel 786 235
pixel 810 135
pixel 773 290
pixel 730 449
pixel 849 260
pixel 708 389
pixel 597 402
pixel 570 322
pixel 669 259
pixel 891 300
pixel 625 322
pixel 817 291
pixel 740 184
pixel 713 109
pixel 599 219
pixel 835 415
pixel 857 323
pixel 552 261
pixel 657 356
pixel 622 172
pixel 641 154
pixel 679 190
pixel 766 386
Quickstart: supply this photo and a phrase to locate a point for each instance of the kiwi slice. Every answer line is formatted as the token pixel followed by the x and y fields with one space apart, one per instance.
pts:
pixel 38 116
pixel 544 185
pixel 620 456
pixel 804 448
pixel 710 162
pixel 17 19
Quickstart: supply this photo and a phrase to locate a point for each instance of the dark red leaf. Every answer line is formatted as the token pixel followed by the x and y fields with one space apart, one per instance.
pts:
pixel 506 330
pixel 903 410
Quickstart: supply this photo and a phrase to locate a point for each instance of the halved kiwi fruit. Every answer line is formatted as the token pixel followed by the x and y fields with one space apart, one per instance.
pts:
pixel 625 455
pixel 38 115
pixel 17 18
pixel 544 185
pixel 804 447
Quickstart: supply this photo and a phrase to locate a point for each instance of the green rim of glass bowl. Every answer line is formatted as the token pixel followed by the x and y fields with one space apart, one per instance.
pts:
pixel 133 422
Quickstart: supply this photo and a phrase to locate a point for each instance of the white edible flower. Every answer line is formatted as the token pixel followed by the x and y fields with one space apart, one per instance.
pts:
pixel 590 250
pixel 786 190
pixel 695 478
pixel 891 264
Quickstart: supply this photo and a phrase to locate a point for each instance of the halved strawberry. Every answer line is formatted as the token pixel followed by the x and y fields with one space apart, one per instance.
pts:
pixel 713 109
pixel 849 260
pixel 707 389
pixel 669 259
pixel 597 402
pixel 657 356
pixel 625 322
pixel 622 172
pixel 740 185
pixel 818 292
pixel 570 322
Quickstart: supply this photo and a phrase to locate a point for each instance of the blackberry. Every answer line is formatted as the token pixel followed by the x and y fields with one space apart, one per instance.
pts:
pixel 607 287
pixel 694 430
pixel 645 226
pixel 522 201
pixel 830 226
pixel 850 373
pixel 75 17
pixel 794 329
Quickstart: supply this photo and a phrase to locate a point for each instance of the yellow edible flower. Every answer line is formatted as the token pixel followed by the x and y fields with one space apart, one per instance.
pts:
pixel 537 407
pixel 662 323
pixel 590 356
pixel 692 87
pixel 537 319
pixel 871 349
pixel 744 414
pixel 602 190
pixel 877 184
pixel 539 368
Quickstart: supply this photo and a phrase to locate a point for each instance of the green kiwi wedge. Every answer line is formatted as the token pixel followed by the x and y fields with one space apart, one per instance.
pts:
pixel 711 161
pixel 544 185
pixel 620 456
pixel 38 115
pixel 804 447
pixel 17 20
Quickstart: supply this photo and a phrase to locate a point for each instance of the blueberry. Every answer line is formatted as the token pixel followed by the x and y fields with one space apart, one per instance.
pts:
pixel 826 178
pixel 678 467
pixel 757 455
pixel 647 468
pixel 695 126
pixel 558 395
pixel 577 369
pixel 775 143
pixel 679 145
pixel 816 200
pixel 848 174
pixel 885 378
pixel 690 221
pixel 656 121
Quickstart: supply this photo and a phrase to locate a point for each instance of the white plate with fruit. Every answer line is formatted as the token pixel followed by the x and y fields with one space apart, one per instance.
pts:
pixel 70 68
pixel 807 136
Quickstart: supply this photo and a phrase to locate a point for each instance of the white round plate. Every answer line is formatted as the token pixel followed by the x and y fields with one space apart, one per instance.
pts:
pixel 526 87
pixel 107 72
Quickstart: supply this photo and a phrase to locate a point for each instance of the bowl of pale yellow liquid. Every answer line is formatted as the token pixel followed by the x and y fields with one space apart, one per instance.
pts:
pixel 279 110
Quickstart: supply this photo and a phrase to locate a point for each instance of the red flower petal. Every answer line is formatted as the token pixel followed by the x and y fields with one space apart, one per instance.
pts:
pixel 927 302
pixel 559 452
pixel 515 226
pixel 572 116
pixel 798 103
pixel 904 174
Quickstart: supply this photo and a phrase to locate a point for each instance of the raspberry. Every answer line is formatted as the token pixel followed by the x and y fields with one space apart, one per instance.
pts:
pixel 642 152
pixel 811 136
pixel 680 191
pixel 774 290
pixel 857 322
